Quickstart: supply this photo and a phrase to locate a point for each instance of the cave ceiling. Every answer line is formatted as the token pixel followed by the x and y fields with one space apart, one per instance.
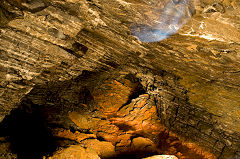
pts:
pixel 44 41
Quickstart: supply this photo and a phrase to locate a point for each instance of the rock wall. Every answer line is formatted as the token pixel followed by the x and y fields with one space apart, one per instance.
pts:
pixel 114 117
pixel 190 121
pixel 193 74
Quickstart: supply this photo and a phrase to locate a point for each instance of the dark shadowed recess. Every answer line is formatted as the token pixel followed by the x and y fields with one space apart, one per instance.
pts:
pixel 134 154
pixel 27 132
pixel 138 90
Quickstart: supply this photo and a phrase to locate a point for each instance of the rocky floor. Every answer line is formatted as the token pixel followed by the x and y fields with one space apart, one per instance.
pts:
pixel 120 122
pixel 120 127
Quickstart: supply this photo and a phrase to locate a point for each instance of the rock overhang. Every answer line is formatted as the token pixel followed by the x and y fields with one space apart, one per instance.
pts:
pixel 38 46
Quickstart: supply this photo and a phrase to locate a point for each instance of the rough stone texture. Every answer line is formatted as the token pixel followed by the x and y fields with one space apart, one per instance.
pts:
pixel 5 149
pixel 104 149
pixel 191 121
pixel 77 136
pixel 132 130
pixel 193 75
pixel 162 157
pixel 75 152
pixel 141 143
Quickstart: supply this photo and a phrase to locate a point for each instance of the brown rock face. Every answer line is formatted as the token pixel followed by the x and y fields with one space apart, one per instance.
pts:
pixel 78 70
pixel 113 95
pixel 162 157
pixel 104 149
pixel 75 152
pixel 131 131
pixel 5 150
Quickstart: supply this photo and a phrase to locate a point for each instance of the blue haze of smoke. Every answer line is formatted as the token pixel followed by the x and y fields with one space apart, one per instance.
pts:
pixel 172 17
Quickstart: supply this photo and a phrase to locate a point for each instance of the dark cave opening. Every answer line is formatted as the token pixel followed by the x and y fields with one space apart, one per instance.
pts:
pixel 137 90
pixel 27 131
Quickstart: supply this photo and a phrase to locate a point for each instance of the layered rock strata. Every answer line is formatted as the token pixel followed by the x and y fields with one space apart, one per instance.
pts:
pixel 192 76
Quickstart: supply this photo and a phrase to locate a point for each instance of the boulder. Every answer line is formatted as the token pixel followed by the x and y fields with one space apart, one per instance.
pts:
pixel 75 152
pixel 104 149
pixel 162 157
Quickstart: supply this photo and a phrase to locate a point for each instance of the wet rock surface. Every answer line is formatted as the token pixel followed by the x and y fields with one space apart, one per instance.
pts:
pixel 59 55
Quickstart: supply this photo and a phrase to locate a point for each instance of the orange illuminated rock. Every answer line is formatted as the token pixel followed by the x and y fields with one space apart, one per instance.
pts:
pixel 124 140
pixel 75 152
pixel 127 125
pixel 141 143
pixel 104 149
pixel 162 157
pixel 112 95
pixel 77 136
pixel 80 120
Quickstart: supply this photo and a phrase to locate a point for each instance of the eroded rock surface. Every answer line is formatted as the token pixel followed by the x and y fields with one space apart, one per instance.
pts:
pixel 130 131
pixel 162 157
pixel 75 152
pixel 48 48
pixel 5 149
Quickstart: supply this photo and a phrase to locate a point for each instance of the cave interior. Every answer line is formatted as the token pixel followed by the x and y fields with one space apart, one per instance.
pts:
pixel 120 79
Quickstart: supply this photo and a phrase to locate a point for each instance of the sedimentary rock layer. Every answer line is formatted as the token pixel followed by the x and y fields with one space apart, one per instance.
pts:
pixel 193 75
